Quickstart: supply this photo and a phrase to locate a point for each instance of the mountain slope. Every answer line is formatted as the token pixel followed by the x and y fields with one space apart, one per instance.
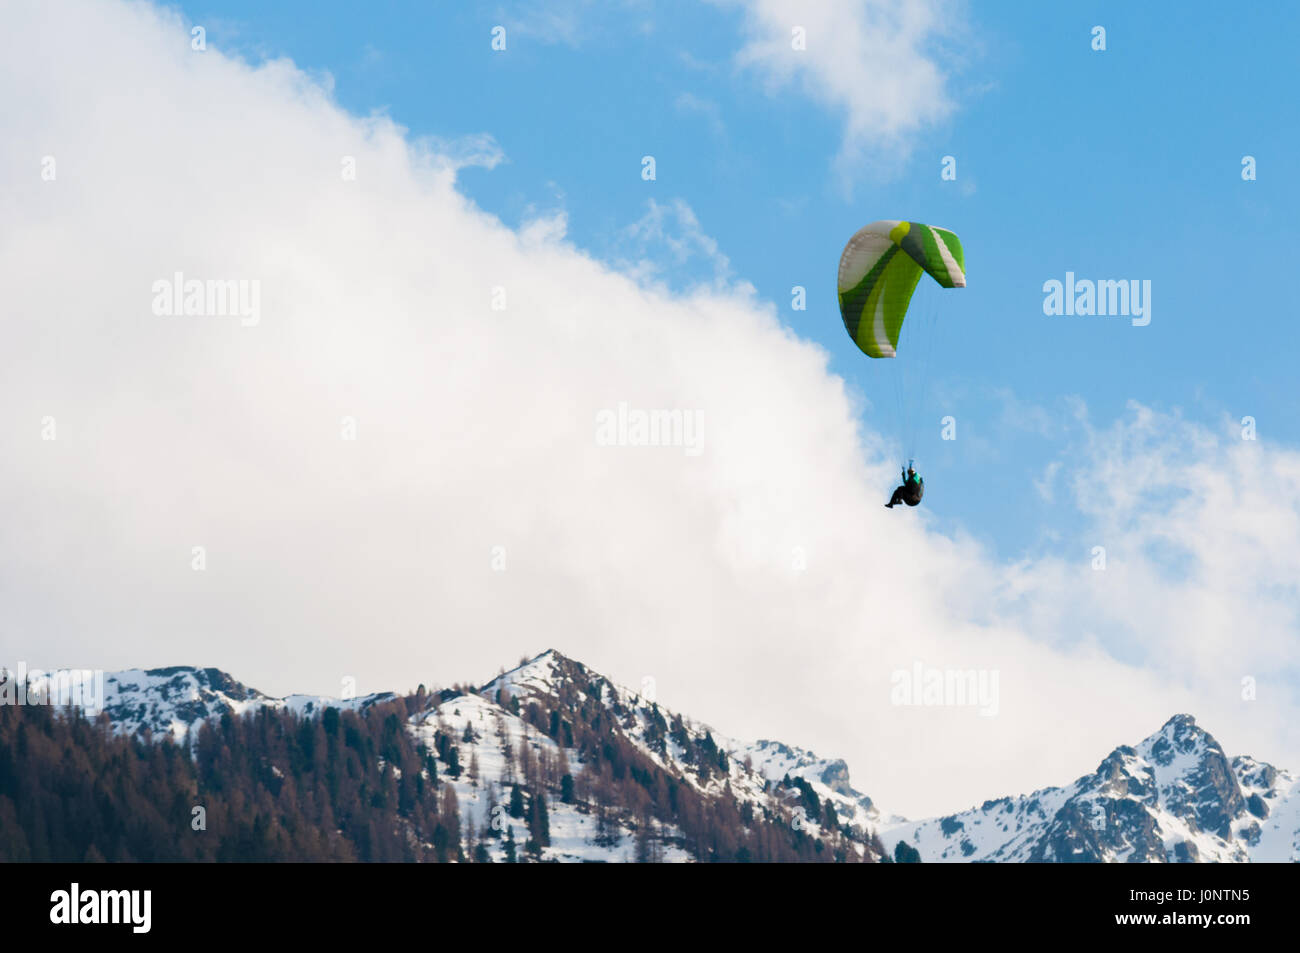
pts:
pixel 614 776
pixel 812 796
pixel 679 744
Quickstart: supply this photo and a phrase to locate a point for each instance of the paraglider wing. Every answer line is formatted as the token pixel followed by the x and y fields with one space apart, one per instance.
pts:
pixel 879 270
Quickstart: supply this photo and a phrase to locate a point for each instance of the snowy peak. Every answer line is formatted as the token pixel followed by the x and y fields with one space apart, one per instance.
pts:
pixel 170 700
pixel 817 789
pixel 555 680
pixel 776 761
pixel 1175 797
pixel 167 701
pixel 1193 778
pixel 544 676
pixel 561 717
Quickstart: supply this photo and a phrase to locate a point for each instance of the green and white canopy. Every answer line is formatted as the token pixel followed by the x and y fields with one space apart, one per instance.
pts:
pixel 879 270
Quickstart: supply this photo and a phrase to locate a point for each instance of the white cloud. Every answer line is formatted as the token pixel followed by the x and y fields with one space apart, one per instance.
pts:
pixel 476 429
pixel 1046 485
pixel 1202 529
pixel 886 65
pixel 660 245
pixel 479 150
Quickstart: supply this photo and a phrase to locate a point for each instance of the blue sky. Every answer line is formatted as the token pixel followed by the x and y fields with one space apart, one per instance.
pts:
pixel 1117 164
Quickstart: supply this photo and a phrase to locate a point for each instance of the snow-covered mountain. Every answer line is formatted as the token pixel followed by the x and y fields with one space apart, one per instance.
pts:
pixel 1176 797
pixel 521 725
pixel 811 794
pixel 752 767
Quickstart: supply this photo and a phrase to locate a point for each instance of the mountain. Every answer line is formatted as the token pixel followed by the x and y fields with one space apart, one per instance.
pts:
pixel 617 777
pixel 546 699
pixel 1176 797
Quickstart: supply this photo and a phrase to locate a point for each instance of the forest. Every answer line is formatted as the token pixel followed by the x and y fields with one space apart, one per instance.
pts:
pixel 271 785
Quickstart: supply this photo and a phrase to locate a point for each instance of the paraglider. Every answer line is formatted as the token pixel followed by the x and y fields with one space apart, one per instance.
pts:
pixel 911 491
pixel 879 271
